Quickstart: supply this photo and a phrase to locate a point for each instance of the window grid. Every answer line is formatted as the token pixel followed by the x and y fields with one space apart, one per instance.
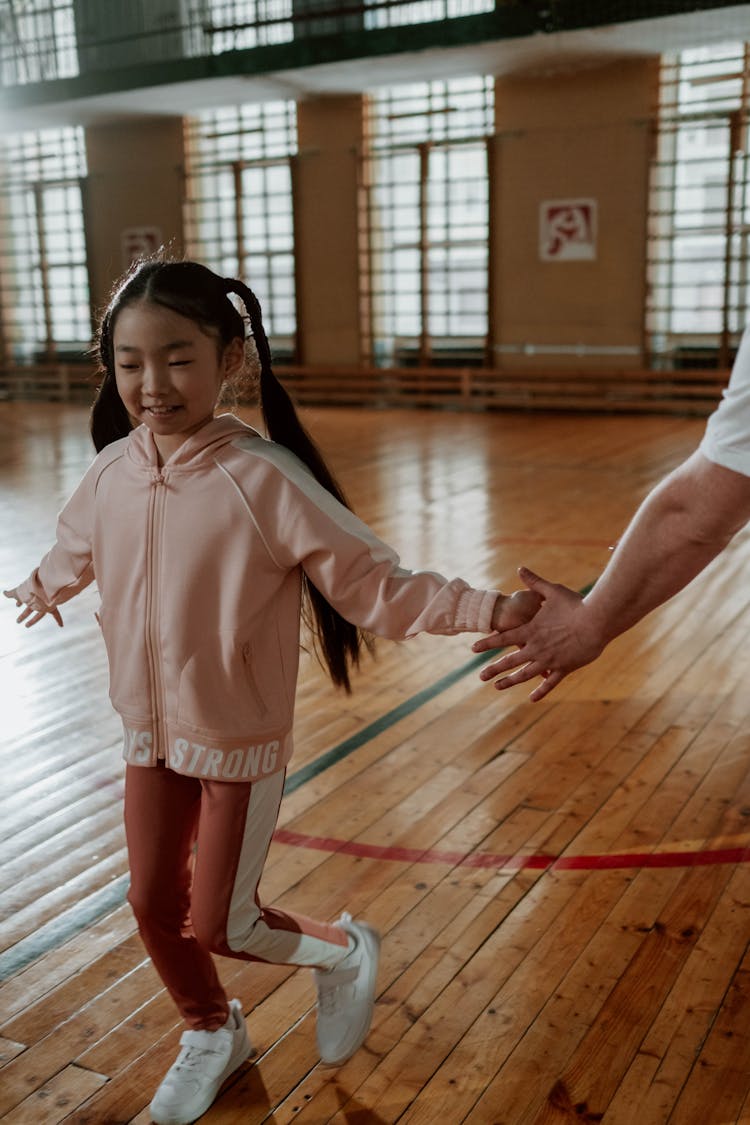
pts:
pixel 42 40
pixel 237 25
pixel 238 207
pixel 422 11
pixel 426 200
pixel 43 273
pixel 699 209
pixel 38 41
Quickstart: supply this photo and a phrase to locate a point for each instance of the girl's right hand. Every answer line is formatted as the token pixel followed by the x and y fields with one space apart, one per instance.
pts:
pixel 564 635
pixel 38 613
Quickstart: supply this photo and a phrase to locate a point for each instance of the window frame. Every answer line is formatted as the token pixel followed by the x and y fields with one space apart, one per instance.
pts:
pixel 230 146
pixel 414 122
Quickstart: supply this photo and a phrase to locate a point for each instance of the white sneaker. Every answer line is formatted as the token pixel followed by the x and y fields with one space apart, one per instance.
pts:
pixel 206 1059
pixel 346 995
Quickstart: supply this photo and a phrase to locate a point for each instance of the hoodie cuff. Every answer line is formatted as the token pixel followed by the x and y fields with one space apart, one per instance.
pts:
pixel 474 610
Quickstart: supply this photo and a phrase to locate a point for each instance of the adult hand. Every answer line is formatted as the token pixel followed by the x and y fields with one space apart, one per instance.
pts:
pixel 562 636
pixel 28 610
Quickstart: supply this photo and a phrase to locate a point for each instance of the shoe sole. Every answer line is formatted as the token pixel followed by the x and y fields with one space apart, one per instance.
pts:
pixel 371 938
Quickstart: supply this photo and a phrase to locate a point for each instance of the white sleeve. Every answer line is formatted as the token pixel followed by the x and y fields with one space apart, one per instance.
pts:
pixel 727 437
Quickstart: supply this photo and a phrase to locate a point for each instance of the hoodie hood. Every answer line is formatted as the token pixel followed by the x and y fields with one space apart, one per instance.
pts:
pixel 194 451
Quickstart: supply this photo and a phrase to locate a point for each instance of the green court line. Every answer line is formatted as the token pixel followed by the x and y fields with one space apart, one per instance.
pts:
pixel 349 745
pixel 96 906
pixel 65 926
pixel 372 730
pixel 91 909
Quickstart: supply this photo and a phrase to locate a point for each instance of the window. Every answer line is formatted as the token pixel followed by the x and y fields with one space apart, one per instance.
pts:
pixel 38 41
pixel 236 25
pixel 44 288
pixel 41 40
pixel 239 24
pixel 699 209
pixel 427 221
pixel 239 218
pixel 390 14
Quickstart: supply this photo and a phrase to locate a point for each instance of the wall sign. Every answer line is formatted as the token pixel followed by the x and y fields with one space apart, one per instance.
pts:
pixel 567 230
pixel 139 242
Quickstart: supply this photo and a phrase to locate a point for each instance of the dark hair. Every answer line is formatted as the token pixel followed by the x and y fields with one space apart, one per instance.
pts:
pixel 197 293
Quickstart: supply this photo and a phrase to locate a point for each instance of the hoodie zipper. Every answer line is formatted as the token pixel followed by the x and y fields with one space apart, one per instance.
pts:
pixel 155 512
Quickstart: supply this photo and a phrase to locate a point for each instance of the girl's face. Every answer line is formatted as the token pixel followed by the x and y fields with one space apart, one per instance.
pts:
pixel 169 372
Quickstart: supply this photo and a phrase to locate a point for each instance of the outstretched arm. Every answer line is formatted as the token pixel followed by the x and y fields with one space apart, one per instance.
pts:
pixel 684 523
pixel 358 574
pixel 67 568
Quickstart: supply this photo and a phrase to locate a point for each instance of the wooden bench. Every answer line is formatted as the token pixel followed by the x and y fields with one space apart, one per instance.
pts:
pixel 479 388
pixel 51 382
pixel 459 388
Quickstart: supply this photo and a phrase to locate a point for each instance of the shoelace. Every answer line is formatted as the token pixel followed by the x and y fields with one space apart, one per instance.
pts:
pixel 192 1059
pixel 328 999
pixel 329 988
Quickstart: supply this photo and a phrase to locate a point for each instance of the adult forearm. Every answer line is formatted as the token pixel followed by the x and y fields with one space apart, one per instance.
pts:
pixel 665 546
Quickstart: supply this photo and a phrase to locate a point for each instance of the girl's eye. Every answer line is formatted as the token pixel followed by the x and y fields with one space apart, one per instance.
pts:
pixel 179 362
pixel 128 366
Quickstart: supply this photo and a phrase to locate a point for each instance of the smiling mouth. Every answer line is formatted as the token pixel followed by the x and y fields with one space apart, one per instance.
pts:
pixel 161 411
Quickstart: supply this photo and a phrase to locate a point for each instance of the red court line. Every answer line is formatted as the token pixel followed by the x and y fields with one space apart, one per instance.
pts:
pixel 518 861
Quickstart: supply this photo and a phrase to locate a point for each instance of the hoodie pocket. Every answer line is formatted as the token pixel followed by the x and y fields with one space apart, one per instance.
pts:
pixel 221 691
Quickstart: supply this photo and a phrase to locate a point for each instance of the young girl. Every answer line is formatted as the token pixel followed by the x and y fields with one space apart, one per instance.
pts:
pixel 207 542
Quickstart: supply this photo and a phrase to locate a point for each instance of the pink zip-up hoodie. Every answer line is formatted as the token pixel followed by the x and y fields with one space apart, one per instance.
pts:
pixel 199 566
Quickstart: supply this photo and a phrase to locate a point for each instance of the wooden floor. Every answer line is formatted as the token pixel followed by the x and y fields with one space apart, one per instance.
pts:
pixel 563 888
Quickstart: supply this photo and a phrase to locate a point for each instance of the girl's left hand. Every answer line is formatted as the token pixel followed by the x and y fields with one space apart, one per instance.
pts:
pixel 28 610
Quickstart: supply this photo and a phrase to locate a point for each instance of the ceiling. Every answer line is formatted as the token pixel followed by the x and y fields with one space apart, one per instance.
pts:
pixel 542 54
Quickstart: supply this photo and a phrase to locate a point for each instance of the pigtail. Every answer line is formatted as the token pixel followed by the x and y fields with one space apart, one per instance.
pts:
pixel 109 418
pixel 340 642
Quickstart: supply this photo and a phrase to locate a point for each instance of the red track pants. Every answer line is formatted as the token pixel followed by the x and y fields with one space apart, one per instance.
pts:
pixel 197 851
